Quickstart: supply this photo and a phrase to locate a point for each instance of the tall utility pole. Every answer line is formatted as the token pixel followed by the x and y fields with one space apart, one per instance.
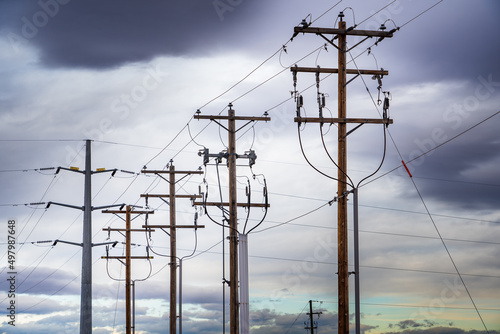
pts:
pixel 86 283
pixel 128 257
pixel 233 204
pixel 341 34
pixel 173 235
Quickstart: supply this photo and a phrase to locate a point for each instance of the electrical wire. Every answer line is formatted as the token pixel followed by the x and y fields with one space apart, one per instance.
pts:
pixel 310 164
pixel 293 323
pixel 432 149
pixel 449 254
pixel 422 13
pixel 383 125
pixel 48 276
pixel 423 202
pixel 244 78
pixel 326 12
pixel 369 17
pixel 298 217
pixel 331 159
pixel 266 206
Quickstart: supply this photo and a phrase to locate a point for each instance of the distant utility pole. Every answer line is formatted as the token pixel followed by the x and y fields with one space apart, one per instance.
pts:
pixel 341 34
pixel 87 208
pixel 311 314
pixel 231 156
pixel 173 236
pixel 128 257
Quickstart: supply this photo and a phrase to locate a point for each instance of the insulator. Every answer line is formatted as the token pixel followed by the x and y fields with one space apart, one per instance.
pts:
pixel 386 103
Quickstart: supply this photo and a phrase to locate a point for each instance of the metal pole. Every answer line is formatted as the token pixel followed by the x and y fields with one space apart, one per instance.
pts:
pixel 233 223
pixel 356 263
pixel 86 288
pixel 343 270
pixel 128 274
pixel 180 296
pixel 244 294
pixel 133 307
pixel 173 253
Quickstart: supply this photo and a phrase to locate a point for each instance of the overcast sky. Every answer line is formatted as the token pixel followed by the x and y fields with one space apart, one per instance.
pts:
pixel 129 75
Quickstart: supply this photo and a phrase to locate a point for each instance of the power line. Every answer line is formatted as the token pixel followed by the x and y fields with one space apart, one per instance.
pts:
pixel 432 149
pixel 422 13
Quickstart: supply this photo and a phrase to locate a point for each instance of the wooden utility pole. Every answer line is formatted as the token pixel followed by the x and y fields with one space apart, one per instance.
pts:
pixel 233 204
pixel 341 33
pixel 128 257
pixel 173 234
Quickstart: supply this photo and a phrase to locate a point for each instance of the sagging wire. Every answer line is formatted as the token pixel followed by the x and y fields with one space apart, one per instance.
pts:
pixel 351 183
pixel 331 116
pixel 325 47
pixel 310 164
pixel 283 49
pixel 266 201
pixel 221 140
pixel 223 210
pixel 379 79
pixel 248 193
pixel 122 280
pixel 320 97
pixel 353 17
pixel 107 266
pixel 192 138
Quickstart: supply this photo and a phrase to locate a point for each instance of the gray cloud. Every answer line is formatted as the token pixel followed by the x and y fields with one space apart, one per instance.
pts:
pixel 96 34
pixel 411 327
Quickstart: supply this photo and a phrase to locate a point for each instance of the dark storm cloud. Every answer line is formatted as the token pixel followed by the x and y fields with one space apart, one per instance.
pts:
pixel 101 34
pixel 471 159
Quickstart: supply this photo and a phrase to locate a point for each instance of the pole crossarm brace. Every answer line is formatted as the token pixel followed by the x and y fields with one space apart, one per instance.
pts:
pixel 172 226
pixel 343 120
pixel 236 118
pixel 334 31
pixel 98 171
pixel 124 212
pixel 125 230
pixel 219 204
pixel 250 119
pixel 336 70
pixel 83 207
pixel 166 195
pixel 171 172
pixel 124 257
pixel 65 205
pixel 67 242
